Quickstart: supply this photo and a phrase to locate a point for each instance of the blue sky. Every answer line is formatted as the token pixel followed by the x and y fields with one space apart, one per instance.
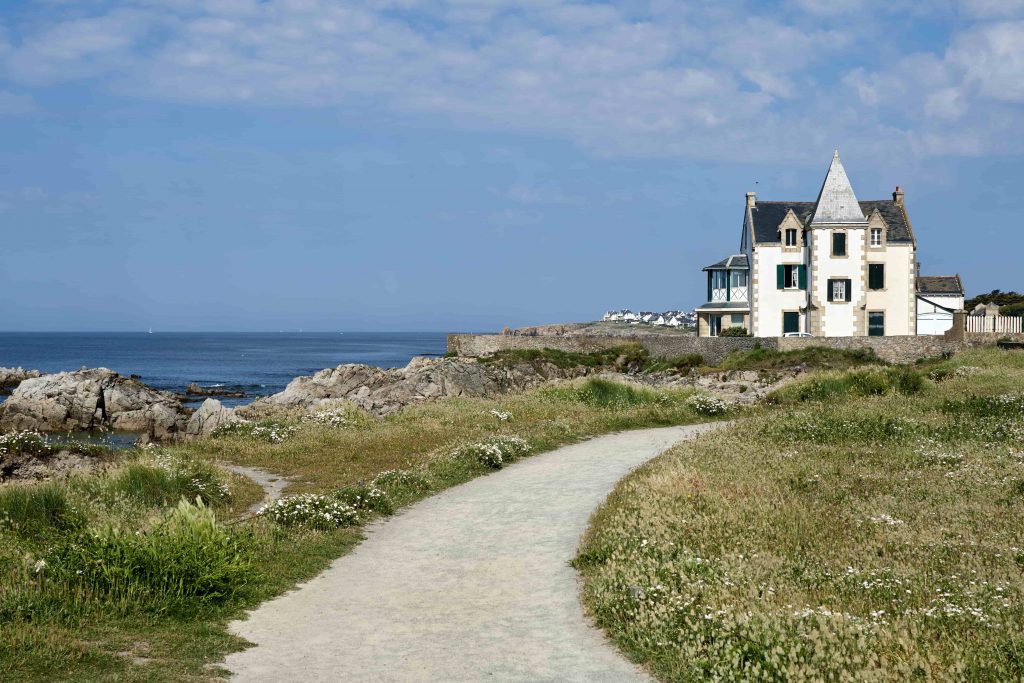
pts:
pixel 465 165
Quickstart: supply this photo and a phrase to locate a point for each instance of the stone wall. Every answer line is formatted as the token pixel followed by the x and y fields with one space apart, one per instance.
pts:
pixel 905 349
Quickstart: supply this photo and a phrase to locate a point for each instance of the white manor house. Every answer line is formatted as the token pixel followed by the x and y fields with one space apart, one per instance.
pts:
pixel 835 267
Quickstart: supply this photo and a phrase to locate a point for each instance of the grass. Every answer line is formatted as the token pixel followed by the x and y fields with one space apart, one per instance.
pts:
pixel 137 585
pixel 817 357
pixel 633 357
pixel 869 528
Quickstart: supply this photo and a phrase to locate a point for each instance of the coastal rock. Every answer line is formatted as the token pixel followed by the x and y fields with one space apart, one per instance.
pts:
pixel 91 399
pixel 10 378
pixel 383 391
pixel 210 416
pixel 35 467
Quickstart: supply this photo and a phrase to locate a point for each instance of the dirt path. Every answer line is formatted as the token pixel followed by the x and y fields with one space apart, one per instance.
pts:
pixel 472 584
pixel 273 485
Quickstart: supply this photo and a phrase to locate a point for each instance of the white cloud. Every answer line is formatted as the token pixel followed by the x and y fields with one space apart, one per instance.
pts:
pixel 640 77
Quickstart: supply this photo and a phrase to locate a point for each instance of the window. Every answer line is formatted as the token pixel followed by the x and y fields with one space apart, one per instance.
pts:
pixel 876 237
pixel 714 325
pixel 876 324
pixel 792 277
pixel 839 244
pixel 790 237
pixel 876 276
pixel 737 319
pixel 839 290
pixel 718 279
pixel 790 322
pixel 739 278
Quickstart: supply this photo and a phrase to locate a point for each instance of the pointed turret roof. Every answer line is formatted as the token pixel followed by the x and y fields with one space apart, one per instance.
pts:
pixel 836 202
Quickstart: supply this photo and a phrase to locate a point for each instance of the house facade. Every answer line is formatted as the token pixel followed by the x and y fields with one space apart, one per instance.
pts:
pixel 834 267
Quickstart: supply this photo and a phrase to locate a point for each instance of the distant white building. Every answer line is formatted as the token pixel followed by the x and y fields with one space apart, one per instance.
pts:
pixel 938 297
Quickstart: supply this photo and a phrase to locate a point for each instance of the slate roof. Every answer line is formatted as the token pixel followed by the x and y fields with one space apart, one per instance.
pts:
pixel 836 201
pixel 734 262
pixel 940 284
pixel 767 216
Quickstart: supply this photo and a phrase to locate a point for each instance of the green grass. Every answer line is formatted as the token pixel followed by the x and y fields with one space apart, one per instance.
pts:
pixel 627 356
pixel 813 357
pixel 870 530
pixel 139 586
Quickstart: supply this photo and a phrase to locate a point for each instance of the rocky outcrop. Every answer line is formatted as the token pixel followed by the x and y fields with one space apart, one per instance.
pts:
pixel 37 467
pixel 93 399
pixel 208 418
pixel 383 391
pixel 10 378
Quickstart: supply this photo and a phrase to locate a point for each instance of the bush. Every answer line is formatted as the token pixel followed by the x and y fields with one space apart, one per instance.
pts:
pixel 401 481
pixel 24 443
pixel 365 499
pixel 899 380
pixel 494 452
pixel 186 558
pixel 627 357
pixel 31 509
pixel 311 511
pixel 167 480
pixel 678 364
pixel 603 393
pixel 707 405
pixel 734 332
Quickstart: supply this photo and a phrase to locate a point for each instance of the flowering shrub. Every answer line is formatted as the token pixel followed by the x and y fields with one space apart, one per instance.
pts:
pixel 328 418
pixel 27 442
pixel 269 432
pixel 707 405
pixel 494 451
pixel 395 480
pixel 312 511
pixel 365 499
pixel 502 415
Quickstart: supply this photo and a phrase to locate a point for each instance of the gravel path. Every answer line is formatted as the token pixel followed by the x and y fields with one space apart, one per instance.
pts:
pixel 471 584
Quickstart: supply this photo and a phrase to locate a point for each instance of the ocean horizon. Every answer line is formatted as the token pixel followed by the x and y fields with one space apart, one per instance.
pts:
pixel 253 363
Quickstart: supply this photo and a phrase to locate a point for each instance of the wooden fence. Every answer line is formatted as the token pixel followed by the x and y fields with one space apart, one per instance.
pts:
pixel 1000 324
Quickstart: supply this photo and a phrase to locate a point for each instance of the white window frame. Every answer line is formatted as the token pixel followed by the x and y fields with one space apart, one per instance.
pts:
pixel 739 278
pixel 793 232
pixel 876 232
pixel 838 291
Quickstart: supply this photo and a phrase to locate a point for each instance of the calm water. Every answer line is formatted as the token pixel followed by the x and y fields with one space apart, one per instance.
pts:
pixel 255 363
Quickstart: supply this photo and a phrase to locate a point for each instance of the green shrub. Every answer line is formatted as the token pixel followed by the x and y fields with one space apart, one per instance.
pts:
pixel 365 499
pixel 683 363
pixel 627 357
pixel 167 480
pixel 603 393
pixel 311 511
pixel 494 451
pixel 876 382
pixel 735 331
pixel 31 509
pixel 24 443
pixel 185 560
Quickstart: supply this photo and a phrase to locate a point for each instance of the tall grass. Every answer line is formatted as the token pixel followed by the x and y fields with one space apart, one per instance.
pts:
pixel 872 538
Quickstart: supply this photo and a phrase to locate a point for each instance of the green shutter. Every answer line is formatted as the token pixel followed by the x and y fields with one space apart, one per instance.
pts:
pixel 849 287
pixel 728 285
pixel 709 285
pixel 802 276
pixel 828 292
pixel 780 276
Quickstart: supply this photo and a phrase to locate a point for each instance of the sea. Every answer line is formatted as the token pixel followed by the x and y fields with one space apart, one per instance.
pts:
pixel 251 363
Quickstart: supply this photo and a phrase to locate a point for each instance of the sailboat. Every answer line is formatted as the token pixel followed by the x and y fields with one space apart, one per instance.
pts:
pixel 151 330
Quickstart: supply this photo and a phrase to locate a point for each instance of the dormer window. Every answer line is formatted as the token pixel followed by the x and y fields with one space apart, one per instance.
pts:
pixel 876 237
pixel 791 237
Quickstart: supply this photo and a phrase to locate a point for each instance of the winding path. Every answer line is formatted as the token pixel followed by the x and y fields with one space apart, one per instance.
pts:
pixel 471 584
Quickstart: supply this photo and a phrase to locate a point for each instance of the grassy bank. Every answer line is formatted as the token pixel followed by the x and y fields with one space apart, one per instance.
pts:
pixel 869 528
pixel 133 573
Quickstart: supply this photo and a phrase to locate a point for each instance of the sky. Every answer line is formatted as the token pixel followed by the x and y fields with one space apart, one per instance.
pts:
pixel 462 165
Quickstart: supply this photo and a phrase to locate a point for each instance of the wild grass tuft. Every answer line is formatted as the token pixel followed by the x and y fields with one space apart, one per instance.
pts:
pixel 33 509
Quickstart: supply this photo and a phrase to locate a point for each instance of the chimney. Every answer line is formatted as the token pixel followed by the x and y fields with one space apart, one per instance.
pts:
pixel 897 196
pixel 751 199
